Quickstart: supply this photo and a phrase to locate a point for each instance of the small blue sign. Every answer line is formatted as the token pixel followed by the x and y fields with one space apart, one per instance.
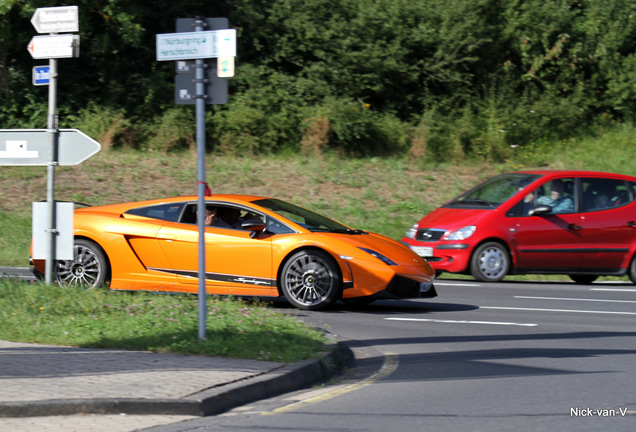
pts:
pixel 41 75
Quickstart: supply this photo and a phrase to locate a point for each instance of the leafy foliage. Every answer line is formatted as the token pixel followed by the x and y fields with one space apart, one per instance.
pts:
pixel 478 76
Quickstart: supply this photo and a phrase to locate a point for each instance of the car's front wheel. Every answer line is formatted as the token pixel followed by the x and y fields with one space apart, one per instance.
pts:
pixel 311 280
pixel 490 262
pixel 88 268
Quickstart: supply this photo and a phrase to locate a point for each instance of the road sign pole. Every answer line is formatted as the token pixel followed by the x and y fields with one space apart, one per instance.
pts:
pixel 201 184
pixel 49 272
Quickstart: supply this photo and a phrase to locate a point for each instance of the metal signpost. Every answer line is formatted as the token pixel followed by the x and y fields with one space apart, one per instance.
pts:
pixel 198 39
pixel 51 20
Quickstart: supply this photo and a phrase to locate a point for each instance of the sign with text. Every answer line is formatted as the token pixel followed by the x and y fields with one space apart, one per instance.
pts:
pixel 54 46
pixel 196 45
pixel 56 19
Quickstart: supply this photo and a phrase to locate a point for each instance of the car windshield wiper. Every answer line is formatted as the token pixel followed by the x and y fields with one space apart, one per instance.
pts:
pixel 476 201
pixel 348 231
pixel 338 230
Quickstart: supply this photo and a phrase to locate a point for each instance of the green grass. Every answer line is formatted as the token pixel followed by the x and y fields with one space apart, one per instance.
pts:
pixel 384 195
pixel 15 239
pixel 143 321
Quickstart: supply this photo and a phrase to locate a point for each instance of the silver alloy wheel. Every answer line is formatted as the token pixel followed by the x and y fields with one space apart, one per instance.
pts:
pixel 310 280
pixel 88 268
pixel 490 262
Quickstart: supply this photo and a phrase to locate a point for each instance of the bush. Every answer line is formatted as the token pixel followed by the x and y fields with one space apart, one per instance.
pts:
pixel 108 126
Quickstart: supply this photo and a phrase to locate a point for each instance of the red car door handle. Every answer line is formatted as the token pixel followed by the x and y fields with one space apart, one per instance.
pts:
pixel 574 227
pixel 631 224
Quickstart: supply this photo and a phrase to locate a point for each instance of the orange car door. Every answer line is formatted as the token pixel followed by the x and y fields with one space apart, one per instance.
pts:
pixel 233 258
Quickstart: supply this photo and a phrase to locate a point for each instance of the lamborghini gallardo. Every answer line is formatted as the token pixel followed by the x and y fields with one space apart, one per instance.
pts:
pixel 254 246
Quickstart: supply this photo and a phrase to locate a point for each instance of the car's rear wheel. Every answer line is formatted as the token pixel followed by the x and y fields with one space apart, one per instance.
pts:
pixel 89 268
pixel 490 262
pixel 583 279
pixel 311 280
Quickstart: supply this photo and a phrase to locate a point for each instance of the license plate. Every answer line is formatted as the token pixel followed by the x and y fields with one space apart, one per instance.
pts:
pixel 423 251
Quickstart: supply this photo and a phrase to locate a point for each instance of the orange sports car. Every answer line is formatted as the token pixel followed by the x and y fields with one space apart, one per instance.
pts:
pixel 254 246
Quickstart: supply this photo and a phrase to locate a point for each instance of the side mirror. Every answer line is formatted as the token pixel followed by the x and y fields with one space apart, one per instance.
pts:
pixel 540 210
pixel 255 225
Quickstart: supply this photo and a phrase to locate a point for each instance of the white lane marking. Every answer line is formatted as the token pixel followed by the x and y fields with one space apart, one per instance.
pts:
pixel 614 289
pixel 437 282
pixel 576 299
pixel 557 310
pixel 462 322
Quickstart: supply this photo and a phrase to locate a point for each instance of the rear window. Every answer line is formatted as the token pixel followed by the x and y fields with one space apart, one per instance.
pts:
pixel 168 212
pixel 603 193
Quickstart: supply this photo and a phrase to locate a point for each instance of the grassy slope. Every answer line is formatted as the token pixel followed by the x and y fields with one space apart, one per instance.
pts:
pixel 381 195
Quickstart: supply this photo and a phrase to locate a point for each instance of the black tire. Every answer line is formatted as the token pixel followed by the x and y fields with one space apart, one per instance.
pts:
pixel 310 280
pixel 583 279
pixel 89 268
pixel 632 270
pixel 490 262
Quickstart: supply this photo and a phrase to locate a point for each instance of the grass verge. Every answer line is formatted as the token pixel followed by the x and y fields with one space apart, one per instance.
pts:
pixel 93 318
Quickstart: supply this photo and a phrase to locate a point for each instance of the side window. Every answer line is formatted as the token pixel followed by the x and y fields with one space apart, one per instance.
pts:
pixel 558 194
pixel 168 212
pixel 626 196
pixel 601 194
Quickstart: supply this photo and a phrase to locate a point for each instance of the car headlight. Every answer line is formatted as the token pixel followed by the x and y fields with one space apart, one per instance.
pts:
pixel 378 255
pixel 412 232
pixel 462 233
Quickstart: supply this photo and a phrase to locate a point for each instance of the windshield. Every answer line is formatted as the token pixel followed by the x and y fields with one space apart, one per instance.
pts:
pixel 307 219
pixel 493 192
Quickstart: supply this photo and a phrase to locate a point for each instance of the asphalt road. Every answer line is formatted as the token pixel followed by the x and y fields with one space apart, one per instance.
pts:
pixel 480 357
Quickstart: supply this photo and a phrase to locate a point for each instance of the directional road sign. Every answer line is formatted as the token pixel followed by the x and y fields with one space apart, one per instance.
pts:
pixel 56 19
pixel 32 147
pixel 196 45
pixel 54 46
pixel 41 75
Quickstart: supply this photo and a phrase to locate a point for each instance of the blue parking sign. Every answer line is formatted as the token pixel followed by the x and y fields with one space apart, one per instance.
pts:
pixel 41 75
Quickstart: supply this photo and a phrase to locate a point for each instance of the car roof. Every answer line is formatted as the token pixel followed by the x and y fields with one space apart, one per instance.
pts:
pixel 122 207
pixel 574 173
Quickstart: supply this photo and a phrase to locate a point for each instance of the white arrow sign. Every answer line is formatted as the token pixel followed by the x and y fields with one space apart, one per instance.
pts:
pixel 32 147
pixel 54 46
pixel 56 19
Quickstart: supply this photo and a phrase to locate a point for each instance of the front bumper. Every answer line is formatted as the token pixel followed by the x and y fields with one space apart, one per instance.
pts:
pixel 447 257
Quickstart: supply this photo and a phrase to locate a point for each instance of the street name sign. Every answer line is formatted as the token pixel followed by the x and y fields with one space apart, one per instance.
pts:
pixel 196 45
pixel 56 19
pixel 33 147
pixel 54 46
pixel 41 75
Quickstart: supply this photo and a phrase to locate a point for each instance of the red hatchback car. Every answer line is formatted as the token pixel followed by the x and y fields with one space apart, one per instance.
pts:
pixel 578 223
